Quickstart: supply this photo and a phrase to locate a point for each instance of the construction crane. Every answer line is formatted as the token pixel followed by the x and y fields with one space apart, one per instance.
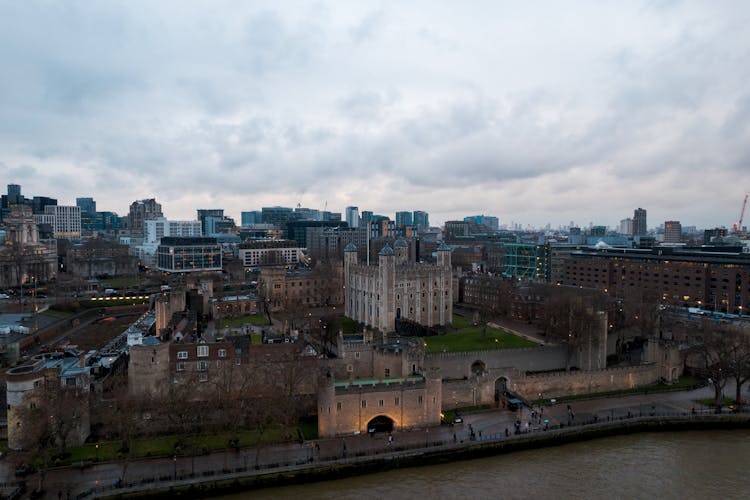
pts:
pixel 738 225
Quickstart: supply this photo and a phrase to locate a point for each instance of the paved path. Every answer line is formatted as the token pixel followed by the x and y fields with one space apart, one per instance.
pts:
pixel 485 425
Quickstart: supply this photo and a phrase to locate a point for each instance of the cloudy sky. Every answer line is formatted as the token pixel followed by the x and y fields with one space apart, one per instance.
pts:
pixel 534 112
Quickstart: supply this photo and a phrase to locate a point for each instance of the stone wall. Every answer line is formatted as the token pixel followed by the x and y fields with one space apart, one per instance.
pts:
pixel 458 365
pixel 484 389
pixel 553 385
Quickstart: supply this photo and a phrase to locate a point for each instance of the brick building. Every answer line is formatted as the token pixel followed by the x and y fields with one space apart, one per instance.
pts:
pixel 712 278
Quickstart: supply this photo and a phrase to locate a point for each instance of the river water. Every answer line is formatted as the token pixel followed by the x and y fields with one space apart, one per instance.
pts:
pixel 680 465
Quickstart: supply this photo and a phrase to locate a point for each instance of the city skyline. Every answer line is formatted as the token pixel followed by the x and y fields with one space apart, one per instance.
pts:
pixel 534 115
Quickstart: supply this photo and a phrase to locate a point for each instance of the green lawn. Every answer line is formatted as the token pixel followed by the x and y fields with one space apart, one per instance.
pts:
pixel 470 339
pixel 255 319
pixel 165 445
pixel 460 322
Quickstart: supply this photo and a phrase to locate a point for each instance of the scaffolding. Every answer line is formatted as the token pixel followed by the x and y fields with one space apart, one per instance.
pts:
pixel 524 261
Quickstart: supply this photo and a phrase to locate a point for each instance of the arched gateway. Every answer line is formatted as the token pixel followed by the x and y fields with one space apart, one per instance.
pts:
pixel 381 423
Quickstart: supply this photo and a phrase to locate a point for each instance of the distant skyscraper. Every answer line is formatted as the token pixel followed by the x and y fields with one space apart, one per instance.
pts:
pixel 278 216
pixel 87 205
pixel 352 216
pixel 366 217
pixel 254 217
pixel 421 219
pixel 672 231
pixel 626 227
pixel 141 211
pixel 487 221
pixel 639 222
pixel 404 219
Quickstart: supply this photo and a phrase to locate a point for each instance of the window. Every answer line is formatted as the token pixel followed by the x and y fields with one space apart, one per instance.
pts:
pixel 356 355
pixel 396 401
pixel 420 400
pixel 70 381
pixel 380 403
pixel 387 372
pixel 364 403
pixel 181 366
pixel 222 353
pixel 182 355
pixel 338 406
pixel 202 351
pixel 203 377
pixel 202 366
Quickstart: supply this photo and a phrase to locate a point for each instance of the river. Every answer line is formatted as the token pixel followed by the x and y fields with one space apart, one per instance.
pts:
pixel 679 465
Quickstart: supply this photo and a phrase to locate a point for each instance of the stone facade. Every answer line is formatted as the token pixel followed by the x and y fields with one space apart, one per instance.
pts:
pixel 283 289
pixel 398 404
pixel 397 288
pixel 22 257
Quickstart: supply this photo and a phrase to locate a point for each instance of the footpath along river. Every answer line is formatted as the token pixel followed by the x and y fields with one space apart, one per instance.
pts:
pixel 679 465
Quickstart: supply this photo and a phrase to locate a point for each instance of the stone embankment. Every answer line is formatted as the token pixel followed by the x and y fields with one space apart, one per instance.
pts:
pixel 310 468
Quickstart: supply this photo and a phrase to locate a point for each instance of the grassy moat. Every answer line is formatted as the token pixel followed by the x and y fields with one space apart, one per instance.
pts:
pixel 469 337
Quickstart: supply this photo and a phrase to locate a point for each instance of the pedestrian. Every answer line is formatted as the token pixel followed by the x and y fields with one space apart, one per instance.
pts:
pixel 507 432
pixel 454 437
pixel 480 435
pixel 390 439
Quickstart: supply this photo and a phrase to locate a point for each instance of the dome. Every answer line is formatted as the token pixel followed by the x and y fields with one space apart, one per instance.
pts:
pixel 386 251
pixel 400 243
pixel 351 247
pixel 443 247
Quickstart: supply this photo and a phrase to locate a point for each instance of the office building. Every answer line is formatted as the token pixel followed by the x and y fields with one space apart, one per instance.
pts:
pixel 250 218
pixel 404 219
pixel 672 231
pixel 184 255
pixel 87 205
pixel 639 222
pixel 352 216
pixel 140 212
pixel 421 219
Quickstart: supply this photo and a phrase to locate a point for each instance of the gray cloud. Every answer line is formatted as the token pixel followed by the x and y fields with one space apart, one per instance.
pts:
pixel 531 114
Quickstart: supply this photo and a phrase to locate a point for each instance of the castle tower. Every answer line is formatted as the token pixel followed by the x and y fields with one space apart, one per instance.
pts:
pixel 386 302
pixel 401 248
pixel 444 256
pixel 350 260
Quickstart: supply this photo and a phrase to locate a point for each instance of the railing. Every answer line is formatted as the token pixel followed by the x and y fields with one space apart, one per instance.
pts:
pixel 389 451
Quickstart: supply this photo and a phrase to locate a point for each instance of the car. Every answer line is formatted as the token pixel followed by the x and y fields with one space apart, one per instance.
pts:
pixel 458 420
pixel 4 296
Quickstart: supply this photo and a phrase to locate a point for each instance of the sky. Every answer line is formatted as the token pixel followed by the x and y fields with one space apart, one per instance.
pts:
pixel 534 112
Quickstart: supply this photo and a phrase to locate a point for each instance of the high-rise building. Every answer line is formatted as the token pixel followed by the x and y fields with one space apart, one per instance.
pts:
pixel 626 227
pixel 366 217
pixel 421 219
pixel 253 217
pixel 488 221
pixel 208 212
pixel 278 216
pixel 66 222
pixel 639 222
pixel 140 212
pixel 672 231
pixel 404 219
pixel 352 216
pixel 87 205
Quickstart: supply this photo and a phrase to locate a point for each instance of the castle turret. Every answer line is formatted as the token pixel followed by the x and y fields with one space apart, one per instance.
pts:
pixel 444 255
pixel 385 314
pixel 350 260
pixel 401 248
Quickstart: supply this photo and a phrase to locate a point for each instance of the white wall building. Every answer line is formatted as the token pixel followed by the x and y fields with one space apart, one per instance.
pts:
pixel 65 220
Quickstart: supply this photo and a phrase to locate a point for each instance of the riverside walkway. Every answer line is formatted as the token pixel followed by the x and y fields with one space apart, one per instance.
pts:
pixel 481 434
